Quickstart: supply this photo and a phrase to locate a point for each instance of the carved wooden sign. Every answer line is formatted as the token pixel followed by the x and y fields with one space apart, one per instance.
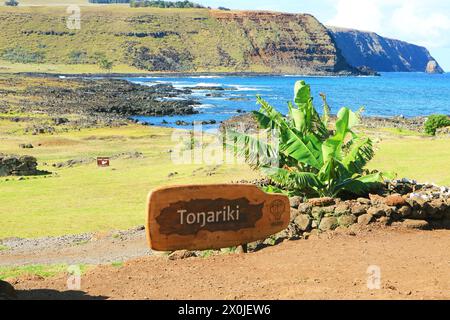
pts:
pixel 200 217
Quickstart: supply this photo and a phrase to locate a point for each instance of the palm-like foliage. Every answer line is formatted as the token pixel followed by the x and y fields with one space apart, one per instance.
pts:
pixel 311 159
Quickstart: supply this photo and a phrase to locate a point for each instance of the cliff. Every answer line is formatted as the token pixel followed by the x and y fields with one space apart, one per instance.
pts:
pixel 179 40
pixel 382 54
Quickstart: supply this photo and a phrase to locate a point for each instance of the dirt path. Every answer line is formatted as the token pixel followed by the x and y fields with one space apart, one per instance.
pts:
pixel 413 264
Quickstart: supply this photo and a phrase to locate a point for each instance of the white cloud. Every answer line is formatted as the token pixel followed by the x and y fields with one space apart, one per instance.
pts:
pixel 357 14
pixel 414 22
pixel 424 23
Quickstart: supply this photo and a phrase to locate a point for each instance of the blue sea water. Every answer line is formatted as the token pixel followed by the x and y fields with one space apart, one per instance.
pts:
pixel 392 94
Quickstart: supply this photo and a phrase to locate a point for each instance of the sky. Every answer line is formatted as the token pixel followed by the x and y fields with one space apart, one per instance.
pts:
pixel 425 23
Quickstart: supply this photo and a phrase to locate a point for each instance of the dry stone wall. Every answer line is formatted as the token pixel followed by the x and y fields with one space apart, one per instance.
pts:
pixel 419 206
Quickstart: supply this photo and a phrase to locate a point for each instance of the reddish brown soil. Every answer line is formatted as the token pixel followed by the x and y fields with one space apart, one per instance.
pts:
pixel 414 265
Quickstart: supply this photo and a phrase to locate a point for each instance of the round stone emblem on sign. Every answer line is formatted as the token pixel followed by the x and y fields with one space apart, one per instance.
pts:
pixel 277 208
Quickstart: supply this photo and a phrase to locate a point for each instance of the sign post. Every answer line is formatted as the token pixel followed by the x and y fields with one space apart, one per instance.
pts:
pixel 201 217
pixel 103 162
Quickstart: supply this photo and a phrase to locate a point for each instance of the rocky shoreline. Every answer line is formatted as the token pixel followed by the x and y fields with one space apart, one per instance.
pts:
pixel 98 98
pixel 111 75
pixel 90 102
pixel 245 123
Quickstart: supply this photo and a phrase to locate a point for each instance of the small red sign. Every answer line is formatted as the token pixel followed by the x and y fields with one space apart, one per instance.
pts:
pixel 103 162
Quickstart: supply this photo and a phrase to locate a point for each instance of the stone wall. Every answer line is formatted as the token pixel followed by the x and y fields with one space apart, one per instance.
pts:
pixel 414 205
pixel 401 202
pixel 12 165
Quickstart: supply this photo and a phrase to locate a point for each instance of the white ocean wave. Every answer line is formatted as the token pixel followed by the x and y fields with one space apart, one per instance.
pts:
pixel 206 84
pixel 238 87
pixel 204 77
pixel 204 106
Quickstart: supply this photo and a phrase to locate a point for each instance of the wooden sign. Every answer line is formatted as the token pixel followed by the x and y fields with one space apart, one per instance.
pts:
pixel 103 162
pixel 201 217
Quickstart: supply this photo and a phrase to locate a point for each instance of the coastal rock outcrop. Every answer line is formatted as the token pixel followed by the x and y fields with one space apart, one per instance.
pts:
pixel 104 101
pixel 11 165
pixel 286 42
pixel 433 67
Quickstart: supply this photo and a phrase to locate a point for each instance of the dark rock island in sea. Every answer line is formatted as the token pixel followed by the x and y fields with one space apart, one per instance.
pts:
pixel 382 54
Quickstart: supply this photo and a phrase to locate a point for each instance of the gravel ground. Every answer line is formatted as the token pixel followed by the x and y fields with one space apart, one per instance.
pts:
pixel 88 248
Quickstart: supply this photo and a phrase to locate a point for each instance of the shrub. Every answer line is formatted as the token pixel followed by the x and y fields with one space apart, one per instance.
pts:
pixel 435 122
pixel 105 64
pixel 77 56
pixel 12 3
pixel 21 55
pixel 312 160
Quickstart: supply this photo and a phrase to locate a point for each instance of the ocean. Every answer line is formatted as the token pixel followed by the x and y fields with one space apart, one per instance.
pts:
pixel 391 94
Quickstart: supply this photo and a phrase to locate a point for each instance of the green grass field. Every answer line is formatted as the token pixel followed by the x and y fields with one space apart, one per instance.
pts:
pixel 39 270
pixel 422 158
pixel 86 198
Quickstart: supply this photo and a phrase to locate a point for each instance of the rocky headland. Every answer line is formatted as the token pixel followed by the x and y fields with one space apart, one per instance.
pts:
pixel 178 40
pixel 361 48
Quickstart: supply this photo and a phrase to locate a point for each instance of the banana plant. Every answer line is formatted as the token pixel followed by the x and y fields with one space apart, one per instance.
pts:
pixel 312 160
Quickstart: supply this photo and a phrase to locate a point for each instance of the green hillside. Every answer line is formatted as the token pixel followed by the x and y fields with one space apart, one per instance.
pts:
pixel 34 38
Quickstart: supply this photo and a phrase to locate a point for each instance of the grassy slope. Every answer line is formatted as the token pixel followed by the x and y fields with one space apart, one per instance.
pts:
pixel 194 39
pixel 51 2
pixel 98 35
